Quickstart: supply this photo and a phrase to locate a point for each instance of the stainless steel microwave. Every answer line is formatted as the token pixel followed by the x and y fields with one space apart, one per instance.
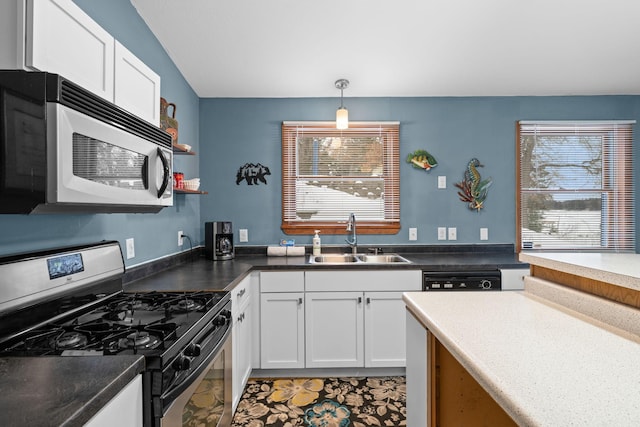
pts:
pixel 65 149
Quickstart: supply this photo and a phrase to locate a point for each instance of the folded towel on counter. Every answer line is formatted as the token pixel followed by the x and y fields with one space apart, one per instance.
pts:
pixel 285 250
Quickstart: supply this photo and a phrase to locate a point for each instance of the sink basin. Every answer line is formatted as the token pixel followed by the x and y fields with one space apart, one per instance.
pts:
pixel 333 259
pixel 358 259
pixel 383 259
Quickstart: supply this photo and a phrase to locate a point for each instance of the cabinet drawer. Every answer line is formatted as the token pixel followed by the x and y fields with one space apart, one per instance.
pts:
pixel 240 294
pixel 378 280
pixel 282 281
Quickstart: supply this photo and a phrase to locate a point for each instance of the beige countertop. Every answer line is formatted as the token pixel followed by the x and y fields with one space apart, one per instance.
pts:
pixel 542 364
pixel 621 269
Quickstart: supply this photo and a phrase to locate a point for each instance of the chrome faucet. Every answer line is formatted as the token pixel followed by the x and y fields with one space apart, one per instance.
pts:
pixel 351 226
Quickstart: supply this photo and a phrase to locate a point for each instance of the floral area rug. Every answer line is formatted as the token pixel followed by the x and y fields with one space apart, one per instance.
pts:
pixel 323 402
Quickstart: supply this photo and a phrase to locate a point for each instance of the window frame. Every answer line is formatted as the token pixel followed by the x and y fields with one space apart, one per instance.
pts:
pixel 618 149
pixel 391 176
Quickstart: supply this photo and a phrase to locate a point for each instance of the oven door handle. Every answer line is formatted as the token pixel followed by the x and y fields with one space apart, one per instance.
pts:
pixel 177 389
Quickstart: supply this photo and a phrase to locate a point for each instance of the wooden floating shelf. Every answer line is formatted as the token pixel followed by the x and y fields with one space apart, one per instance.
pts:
pixel 178 149
pixel 185 191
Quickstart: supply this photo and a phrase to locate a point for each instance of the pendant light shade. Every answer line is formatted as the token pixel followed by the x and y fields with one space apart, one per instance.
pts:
pixel 342 118
pixel 342 114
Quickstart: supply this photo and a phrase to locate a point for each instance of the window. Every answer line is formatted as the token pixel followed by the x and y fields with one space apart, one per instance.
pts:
pixel 330 173
pixel 575 186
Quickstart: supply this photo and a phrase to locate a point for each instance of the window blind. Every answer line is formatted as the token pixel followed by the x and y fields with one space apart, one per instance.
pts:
pixel 575 185
pixel 329 173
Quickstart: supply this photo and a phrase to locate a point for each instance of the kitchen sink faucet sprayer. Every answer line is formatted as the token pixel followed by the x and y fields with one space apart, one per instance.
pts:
pixel 351 226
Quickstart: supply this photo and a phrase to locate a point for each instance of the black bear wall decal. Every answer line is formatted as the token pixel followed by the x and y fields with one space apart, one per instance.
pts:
pixel 252 173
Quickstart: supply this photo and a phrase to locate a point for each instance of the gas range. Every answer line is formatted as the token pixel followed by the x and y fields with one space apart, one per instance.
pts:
pixel 150 324
pixel 70 302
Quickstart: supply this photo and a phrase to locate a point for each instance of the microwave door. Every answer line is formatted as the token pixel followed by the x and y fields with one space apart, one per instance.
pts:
pixel 96 163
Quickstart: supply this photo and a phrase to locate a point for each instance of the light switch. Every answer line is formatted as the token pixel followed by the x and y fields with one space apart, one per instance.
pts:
pixel 413 234
pixel 442 233
pixel 131 249
pixel 442 181
pixel 453 233
pixel 484 233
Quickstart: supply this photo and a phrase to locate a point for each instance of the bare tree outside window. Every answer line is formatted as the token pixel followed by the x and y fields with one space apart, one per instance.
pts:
pixel 575 186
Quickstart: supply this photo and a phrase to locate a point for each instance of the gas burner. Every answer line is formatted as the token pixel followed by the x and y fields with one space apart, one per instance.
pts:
pixel 119 316
pixel 69 340
pixel 139 340
pixel 186 304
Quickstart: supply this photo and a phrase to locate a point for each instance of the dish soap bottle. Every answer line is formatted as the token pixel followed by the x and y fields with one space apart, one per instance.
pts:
pixel 316 244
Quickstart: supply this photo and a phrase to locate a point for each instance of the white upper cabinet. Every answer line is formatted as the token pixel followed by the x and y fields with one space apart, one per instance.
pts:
pixel 137 87
pixel 57 36
pixel 61 38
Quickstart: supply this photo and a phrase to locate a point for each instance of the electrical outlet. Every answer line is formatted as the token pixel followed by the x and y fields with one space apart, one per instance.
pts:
pixel 180 238
pixel 131 249
pixel 442 233
pixel 484 233
pixel 413 234
pixel 442 182
pixel 244 235
pixel 453 233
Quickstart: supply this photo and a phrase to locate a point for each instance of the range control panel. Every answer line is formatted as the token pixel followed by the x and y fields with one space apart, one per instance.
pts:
pixel 461 280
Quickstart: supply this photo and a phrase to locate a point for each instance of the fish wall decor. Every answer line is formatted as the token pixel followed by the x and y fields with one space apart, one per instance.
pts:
pixel 421 159
pixel 473 189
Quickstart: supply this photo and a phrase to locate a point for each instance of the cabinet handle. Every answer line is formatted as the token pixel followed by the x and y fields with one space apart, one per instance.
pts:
pixel 359 300
pixel 368 300
pixel 299 300
pixel 242 292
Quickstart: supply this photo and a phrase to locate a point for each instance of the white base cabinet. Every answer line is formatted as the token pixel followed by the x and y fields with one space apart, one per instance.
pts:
pixel 242 313
pixel 125 409
pixel 384 326
pixel 282 319
pixel 334 330
pixel 334 319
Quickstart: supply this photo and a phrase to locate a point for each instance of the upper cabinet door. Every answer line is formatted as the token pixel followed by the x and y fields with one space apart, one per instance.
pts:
pixel 137 87
pixel 62 39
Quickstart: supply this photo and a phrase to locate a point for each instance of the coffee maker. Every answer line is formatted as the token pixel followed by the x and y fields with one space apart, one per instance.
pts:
pixel 218 240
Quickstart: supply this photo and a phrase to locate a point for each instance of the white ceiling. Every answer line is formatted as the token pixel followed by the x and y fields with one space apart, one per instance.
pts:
pixel 298 48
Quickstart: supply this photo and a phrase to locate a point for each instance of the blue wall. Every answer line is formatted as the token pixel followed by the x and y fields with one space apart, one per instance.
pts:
pixel 226 133
pixel 454 130
pixel 155 234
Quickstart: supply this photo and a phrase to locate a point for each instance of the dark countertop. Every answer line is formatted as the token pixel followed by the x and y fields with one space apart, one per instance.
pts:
pixel 203 274
pixel 47 390
pixel 38 391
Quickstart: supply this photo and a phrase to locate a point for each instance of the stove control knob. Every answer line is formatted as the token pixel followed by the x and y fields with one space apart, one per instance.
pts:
pixel 226 313
pixel 181 363
pixel 219 321
pixel 485 284
pixel 192 350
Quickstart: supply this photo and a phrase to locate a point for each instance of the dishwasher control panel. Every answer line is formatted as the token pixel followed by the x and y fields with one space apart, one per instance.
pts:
pixel 489 280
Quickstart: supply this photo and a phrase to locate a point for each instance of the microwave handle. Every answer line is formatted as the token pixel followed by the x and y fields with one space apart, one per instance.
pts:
pixel 166 171
pixel 145 173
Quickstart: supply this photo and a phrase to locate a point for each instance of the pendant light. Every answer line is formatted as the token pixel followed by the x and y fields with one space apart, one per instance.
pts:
pixel 342 114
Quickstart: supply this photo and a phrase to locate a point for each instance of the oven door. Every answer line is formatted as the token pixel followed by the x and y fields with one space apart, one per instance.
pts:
pixel 207 400
pixel 91 162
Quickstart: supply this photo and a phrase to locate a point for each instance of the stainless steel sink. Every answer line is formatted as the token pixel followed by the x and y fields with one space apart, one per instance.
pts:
pixel 358 259
pixel 333 259
pixel 383 259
